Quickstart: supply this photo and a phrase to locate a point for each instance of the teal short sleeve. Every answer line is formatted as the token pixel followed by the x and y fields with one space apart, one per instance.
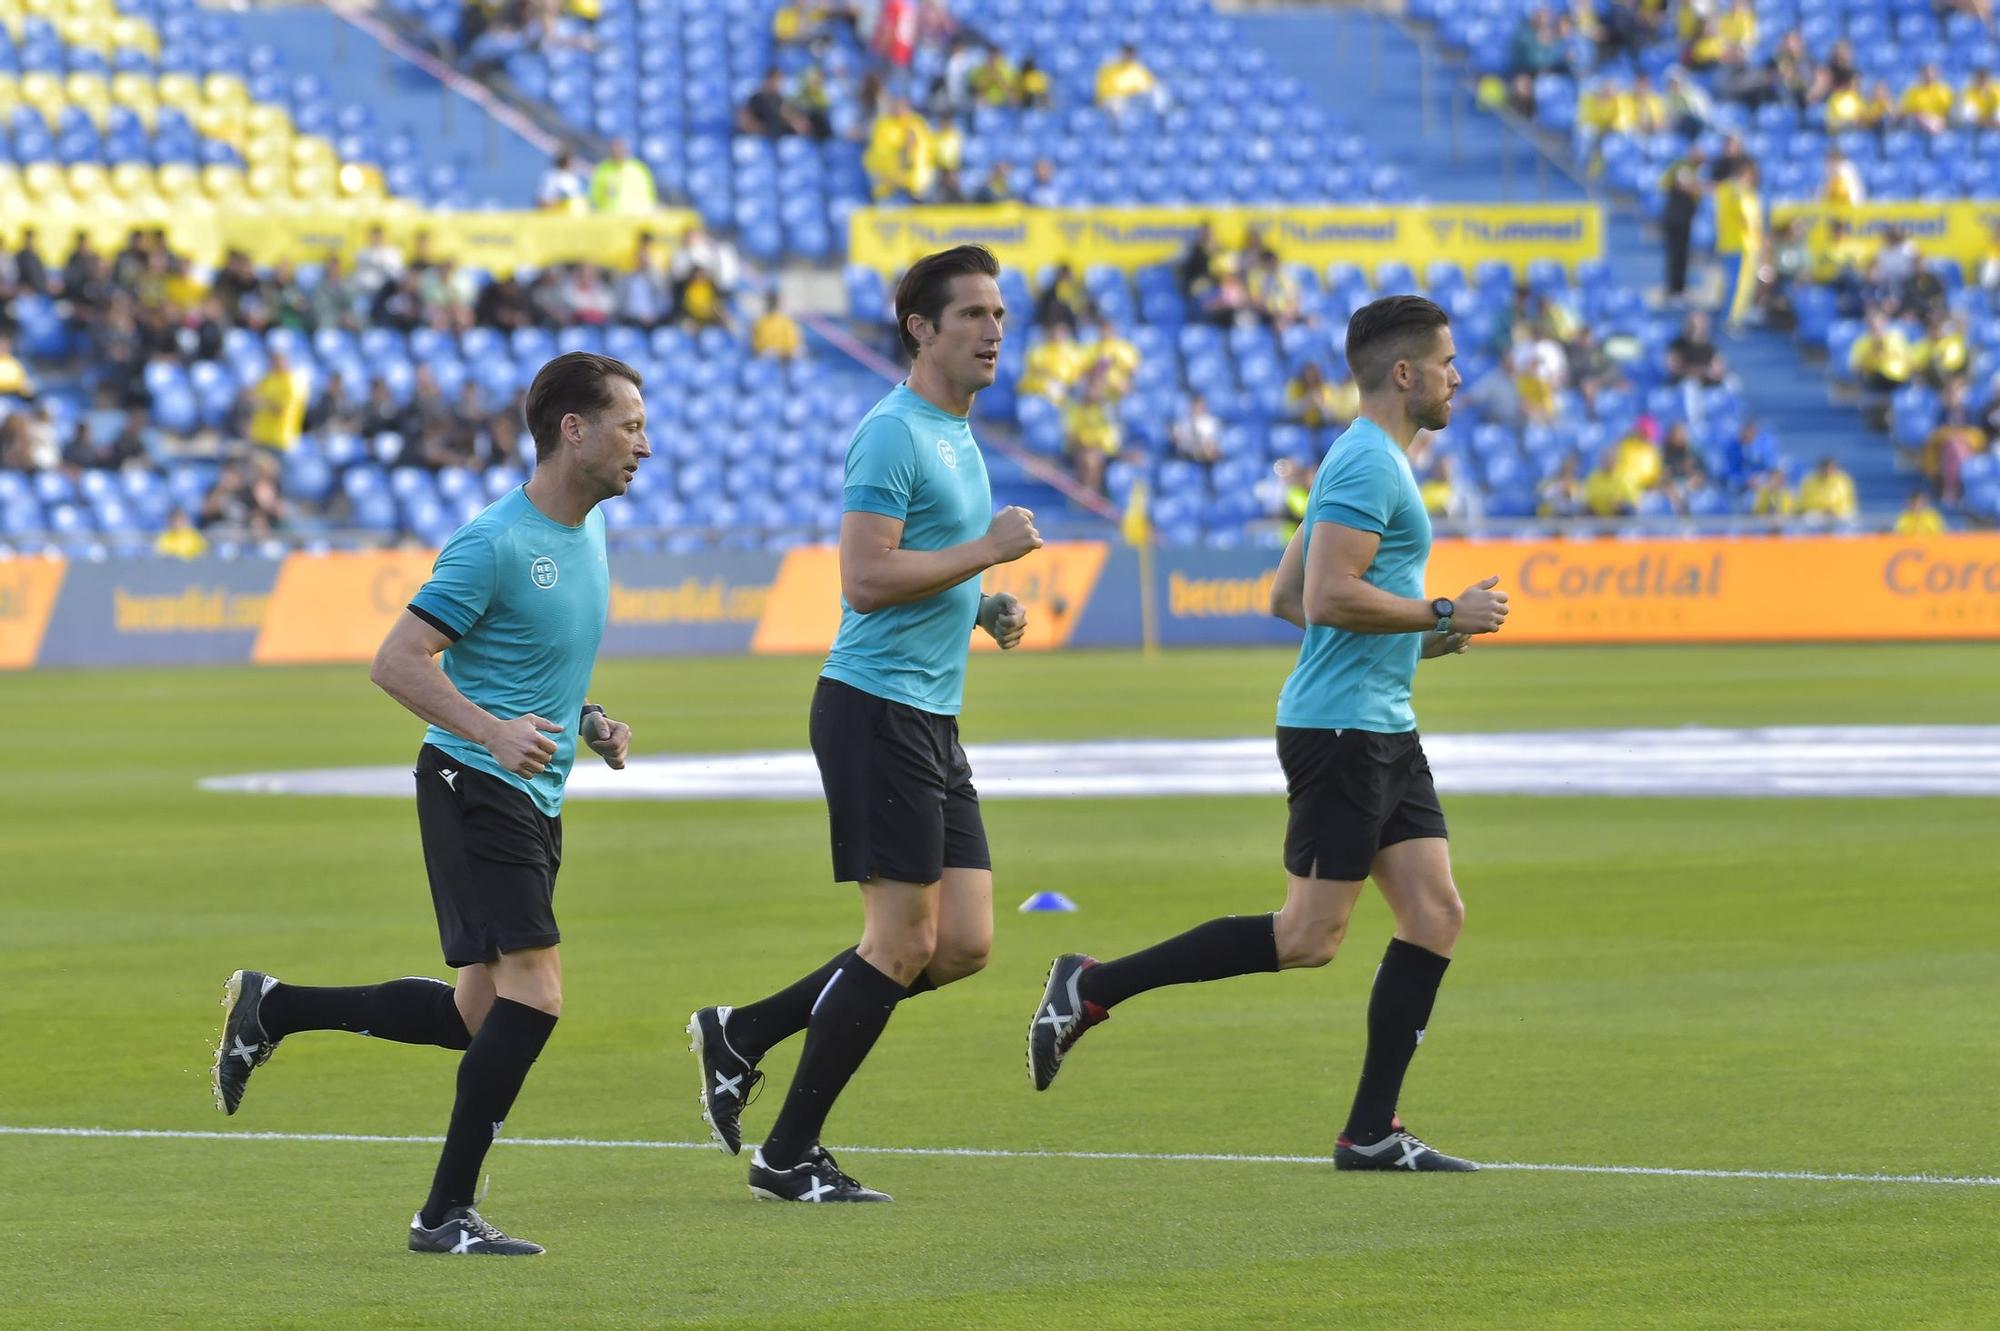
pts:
pixel 461 584
pixel 881 469
pixel 1359 491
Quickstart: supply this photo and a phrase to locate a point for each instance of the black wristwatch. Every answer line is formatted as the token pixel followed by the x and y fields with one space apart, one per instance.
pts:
pixel 1442 608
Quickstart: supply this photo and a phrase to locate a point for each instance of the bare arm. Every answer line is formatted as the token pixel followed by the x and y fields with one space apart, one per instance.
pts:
pixel 1288 585
pixel 1338 595
pixel 406 669
pixel 876 572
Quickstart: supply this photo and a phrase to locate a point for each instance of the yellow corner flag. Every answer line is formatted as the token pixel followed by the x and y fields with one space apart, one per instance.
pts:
pixel 1136 526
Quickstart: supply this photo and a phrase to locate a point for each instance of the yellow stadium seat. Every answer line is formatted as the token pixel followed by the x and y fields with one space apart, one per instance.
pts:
pixel 224 90
pixel 42 180
pixel 177 180
pixel 92 93
pixel 133 34
pixel 133 180
pixel 312 182
pixel 222 182
pixel 48 9
pixel 10 96
pixel 88 180
pixel 87 31
pixel 43 91
pixel 266 182
pixel 220 122
pixel 178 90
pixel 313 150
pixel 264 121
pixel 360 182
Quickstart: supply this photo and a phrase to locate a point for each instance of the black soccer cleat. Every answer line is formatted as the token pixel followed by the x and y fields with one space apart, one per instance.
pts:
pixel 814 1179
pixel 244 1047
pixel 1401 1149
pixel 463 1233
pixel 1061 1019
pixel 727 1078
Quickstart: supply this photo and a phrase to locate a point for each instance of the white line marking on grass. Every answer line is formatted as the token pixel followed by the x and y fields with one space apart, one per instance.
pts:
pixel 1850 761
pixel 1002 1153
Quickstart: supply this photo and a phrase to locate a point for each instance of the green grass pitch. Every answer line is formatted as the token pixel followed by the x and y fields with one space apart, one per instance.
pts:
pixel 1774 985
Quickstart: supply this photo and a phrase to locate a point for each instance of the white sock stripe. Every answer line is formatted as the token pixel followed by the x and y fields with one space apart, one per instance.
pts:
pixel 1002 1153
pixel 831 981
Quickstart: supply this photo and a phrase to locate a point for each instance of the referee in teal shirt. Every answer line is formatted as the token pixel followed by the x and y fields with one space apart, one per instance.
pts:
pixel 917 532
pixel 1362 802
pixel 495 652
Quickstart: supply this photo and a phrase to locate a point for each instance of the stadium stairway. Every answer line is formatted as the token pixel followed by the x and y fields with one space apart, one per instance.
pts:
pixel 1792 395
pixel 1344 56
pixel 498 167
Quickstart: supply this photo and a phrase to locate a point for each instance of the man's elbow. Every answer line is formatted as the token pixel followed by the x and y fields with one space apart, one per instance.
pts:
pixel 861 598
pixel 1325 612
pixel 382 670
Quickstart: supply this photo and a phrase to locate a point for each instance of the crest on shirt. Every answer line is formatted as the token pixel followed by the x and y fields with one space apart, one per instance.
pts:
pixel 947 454
pixel 543 571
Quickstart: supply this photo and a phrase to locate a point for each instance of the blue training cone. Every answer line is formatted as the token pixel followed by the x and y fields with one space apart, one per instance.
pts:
pixel 1047 901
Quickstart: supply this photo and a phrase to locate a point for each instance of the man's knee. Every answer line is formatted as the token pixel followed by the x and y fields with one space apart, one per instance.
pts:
pixel 958 959
pixel 532 978
pixel 1306 939
pixel 1436 921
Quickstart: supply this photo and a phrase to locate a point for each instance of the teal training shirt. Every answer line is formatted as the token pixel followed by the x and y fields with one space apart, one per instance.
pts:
pixel 913 461
pixel 1362 680
pixel 524 598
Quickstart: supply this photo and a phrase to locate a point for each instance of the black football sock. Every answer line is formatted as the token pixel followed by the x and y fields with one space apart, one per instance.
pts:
pixel 756 1028
pixel 1399 1008
pixel 489 1077
pixel 845 1023
pixel 1232 945
pixel 923 984
pixel 409 1011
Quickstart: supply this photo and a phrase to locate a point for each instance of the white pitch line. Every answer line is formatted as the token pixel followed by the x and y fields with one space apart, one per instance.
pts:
pixel 1002 1153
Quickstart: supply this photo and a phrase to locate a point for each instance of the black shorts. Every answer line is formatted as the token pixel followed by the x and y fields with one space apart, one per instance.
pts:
pixel 1351 793
pixel 492 856
pixel 899 796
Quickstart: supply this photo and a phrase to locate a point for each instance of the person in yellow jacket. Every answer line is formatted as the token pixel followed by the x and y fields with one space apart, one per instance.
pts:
pixel 1116 359
pixel 1828 493
pixel 900 158
pixel 1744 225
pixel 1927 103
pixel 1091 434
pixel 278 405
pixel 622 185
pixel 776 335
pixel 1920 516
pixel 1979 103
pixel 1055 365
pixel 180 538
pixel 1881 357
pixel 1772 497
pixel 1124 79
pixel 1607 493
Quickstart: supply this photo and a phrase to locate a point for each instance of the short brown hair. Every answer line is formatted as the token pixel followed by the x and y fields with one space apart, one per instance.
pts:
pixel 1385 331
pixel 926 288
pixel 576 381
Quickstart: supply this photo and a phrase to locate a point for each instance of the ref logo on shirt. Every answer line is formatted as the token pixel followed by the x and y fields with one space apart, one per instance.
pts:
pixel 947 454
pixel 543 571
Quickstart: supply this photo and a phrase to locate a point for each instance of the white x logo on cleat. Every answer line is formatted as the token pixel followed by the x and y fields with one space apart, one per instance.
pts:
pixel 246 1052
pixel 817 1189
pixel 729 1085
pixel 1053 1018
pixel 466 1238
pixel 1409 1160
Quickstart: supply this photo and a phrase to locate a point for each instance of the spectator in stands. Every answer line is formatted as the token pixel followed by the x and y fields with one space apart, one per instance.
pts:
pixel 712 255
pixel 1919 517
pixel 1637 457
pixel 1943 354
pixel 1126 81
pixel 31 274
pixel 1788 264
pixel 1838 72
pixel 277 405
pixel 949 188
pixel 120 352
pixel 1536 48
pixel 1589 368
pixel 1828 493
pixel 399 304
pixel 588 296
pixel 126 448
pixel 332 410
pixel 562 188
pixel 1560 494
pixel 998 187
pixel 15 381
pixel 1956 437
pixel 622 185
pixel 812 100
pixel 1043 191
pixel 702 304
pixel 454 441
pixel 1275 294
pixel 1685 188
pixel 1791 69
pixel 1054 364
pixel 1704 48
pixel 1446 496
pixel 1979 101
pixel 447 293
pixel 1063 300
pixel 1115 359
pixel 1035 86
pixel 180 538
pixel 546 295
pixel 382 414
pixel 1609 492
pixel 776 335
pixel 1927 103
pixel 1196 266
pixel 1880 359
pixel 335 301
pixel 948 146
pixel 797 22
pixel 1539 368
pixel 1294 481
pixel 1772 496
pixel 1693 354
pixel 1895 266
pixel 1091 435
pixel 377 263
pixel 503 304
pixel 643 297
pixel 995 82
pixel 1317 403
pixel 244 498
pixel 1197 433
pixel 768 114
pixel 1843 186
pixel 1225 299
pixel 899 158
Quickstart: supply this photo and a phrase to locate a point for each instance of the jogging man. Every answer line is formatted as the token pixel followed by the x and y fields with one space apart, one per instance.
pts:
pixel 515 608
pixel 918 530
pixel 1362 802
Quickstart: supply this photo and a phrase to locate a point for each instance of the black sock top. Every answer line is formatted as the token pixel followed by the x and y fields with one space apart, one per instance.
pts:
pixel 1414 960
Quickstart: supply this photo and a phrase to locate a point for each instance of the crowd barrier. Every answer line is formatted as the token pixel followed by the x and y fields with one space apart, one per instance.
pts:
pixel 336 607
pixel 890 239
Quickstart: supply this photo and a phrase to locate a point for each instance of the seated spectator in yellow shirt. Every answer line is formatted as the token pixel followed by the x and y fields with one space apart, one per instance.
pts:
pixel 1316 403
pixel 1608 493
pixel 1035 85
pixel 1116 359
pixel 1846 109
pixel 1275 294
pixel 1927 103
pixel 1120 81
pixel 621 184
pixel 1738 27
pixel 1828 493
pixel 1636 459
pixel 1979 103
pixel 1772 498
pixel 278 402
pixel 181 539
pixel 898 158
pixel 1648 108
pixel 1091 435
pixel 1880 108
pixel 1843 180
pixel 701 302
pixel 1944 353
pixel 15 381
pixel 1845 254
pixel 1920 516
pixel 1957 436
pixel 776 334
pixel 1055 365
pixel 993 82
pixel 1881 355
